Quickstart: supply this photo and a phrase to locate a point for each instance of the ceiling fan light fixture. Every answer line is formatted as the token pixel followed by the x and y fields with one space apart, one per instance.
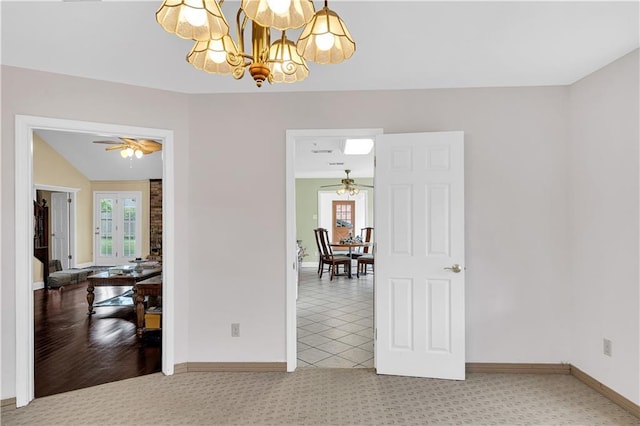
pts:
pixel 123 153
pixel 139 153
pixel 358 146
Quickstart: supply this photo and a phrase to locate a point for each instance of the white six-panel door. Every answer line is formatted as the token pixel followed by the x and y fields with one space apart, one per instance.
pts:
pixel 60 227
pixel 420 298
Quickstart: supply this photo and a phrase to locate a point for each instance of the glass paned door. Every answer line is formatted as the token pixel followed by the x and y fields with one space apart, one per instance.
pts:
pixel 118 228
pixel 343 219
pixel 129 234
pixel 105 230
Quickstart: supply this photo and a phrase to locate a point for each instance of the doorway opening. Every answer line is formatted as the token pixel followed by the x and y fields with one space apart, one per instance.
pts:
pixel 25 128
pixel 61 223
pixel 329 324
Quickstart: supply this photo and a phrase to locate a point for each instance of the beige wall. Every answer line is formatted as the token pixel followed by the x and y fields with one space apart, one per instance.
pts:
pixel 516 245
pixel 604 177
pixel 230 206
pixel 50 168
pixel 43 94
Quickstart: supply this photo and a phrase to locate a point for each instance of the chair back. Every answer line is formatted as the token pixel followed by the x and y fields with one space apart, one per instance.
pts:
pixel 318 242
pixel 367 236
pixel 324 242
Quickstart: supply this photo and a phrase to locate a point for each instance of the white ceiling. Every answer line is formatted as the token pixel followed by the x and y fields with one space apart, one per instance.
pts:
pixel 313 160
pixel 400 45
pixel 93 161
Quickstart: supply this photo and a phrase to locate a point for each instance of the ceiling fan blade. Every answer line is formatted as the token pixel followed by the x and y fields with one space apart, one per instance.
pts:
pixel 109 142
pixel 149 145
pixel 113 148
pixel 329 186
pixel 366 186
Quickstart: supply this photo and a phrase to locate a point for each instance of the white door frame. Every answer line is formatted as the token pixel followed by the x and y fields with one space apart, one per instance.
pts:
pixel 291 245
pixel 23 177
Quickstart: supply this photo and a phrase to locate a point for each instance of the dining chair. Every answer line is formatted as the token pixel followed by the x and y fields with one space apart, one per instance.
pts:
pixel 327 257
pixel 366 258
pixel 319 245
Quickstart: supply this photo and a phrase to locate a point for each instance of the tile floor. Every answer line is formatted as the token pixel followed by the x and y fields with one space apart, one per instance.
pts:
pixel 335 321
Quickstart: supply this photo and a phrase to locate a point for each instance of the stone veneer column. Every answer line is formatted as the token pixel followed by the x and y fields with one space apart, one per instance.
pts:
pixel 155 219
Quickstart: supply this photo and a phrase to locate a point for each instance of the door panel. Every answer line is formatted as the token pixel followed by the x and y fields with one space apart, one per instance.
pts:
pixel 60 228
pixel 420 232
pixel 344 214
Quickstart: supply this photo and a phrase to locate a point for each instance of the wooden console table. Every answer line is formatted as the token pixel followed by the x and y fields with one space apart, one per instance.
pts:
pixel 111 278
pixel 149 287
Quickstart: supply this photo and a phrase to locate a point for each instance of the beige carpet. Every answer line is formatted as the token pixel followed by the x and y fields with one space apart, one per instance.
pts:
pixel 313 396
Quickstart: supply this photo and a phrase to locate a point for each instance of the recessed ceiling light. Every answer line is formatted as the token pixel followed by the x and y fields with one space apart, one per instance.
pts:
pixel 358 146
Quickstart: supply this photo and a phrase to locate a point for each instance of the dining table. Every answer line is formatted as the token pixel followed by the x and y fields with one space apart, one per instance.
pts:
pixel 350 246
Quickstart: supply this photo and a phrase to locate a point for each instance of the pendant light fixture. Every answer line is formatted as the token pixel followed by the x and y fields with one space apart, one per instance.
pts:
pixel 324 38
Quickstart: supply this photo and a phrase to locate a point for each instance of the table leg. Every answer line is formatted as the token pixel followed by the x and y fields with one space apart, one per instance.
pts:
pixel 90 298
pixel 139 300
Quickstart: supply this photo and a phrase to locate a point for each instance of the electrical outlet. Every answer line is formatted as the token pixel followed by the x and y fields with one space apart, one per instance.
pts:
pixel 235 329
pixel 606 347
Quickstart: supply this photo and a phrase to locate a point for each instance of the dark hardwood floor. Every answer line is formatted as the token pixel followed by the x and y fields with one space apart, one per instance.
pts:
pixel 74 350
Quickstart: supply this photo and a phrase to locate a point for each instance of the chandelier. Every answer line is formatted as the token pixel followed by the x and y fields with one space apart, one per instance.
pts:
pixel 323 40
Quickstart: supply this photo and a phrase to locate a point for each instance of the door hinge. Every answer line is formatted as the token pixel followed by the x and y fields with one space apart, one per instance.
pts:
pixel 70 257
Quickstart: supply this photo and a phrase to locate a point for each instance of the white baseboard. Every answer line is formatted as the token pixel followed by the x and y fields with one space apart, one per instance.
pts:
pixel 38 285
pixel 309 264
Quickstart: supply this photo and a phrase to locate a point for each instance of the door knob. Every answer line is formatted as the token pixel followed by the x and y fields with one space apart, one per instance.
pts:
pixel 454 268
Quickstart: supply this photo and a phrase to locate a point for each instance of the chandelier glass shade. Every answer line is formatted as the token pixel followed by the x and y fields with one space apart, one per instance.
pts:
pixel 324 38
pixel 279 14
pixel 285 64
pixel 198 20
pixel 219 56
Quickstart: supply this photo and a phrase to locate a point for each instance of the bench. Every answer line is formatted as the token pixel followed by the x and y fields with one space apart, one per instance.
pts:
pixel 59 277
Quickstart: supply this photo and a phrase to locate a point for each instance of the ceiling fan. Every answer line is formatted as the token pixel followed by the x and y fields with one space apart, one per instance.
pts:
pixel 129 146
pixel 348 185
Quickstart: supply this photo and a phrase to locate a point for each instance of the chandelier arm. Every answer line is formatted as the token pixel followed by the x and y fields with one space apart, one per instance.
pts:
pixel 240 28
